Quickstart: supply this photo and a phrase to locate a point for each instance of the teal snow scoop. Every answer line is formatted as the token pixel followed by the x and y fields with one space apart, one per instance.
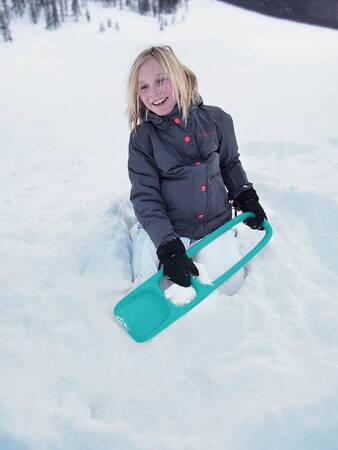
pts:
pixel 145 311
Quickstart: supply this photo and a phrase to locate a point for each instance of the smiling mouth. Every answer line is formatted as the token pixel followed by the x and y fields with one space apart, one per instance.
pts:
pixel 160 102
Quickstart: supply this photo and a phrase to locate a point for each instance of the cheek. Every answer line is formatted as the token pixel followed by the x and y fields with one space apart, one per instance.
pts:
pixel 142 96
pixel 169 89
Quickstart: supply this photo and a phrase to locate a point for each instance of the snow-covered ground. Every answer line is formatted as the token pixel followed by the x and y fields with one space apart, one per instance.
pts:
pixel 254 371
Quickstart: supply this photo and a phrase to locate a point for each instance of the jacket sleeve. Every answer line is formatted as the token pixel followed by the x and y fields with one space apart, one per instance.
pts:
pixel 145 194
pixel 233 174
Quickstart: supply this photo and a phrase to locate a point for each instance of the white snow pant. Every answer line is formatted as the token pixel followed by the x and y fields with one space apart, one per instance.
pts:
pixel 216 257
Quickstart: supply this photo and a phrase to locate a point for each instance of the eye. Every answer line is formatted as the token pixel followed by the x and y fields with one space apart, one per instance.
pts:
pixel 162 80
pixel 143 88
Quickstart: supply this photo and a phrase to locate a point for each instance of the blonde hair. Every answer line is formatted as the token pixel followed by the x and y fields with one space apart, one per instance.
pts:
pixel 184 83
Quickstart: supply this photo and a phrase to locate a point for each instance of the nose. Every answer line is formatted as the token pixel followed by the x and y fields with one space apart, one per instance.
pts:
pixel 156 92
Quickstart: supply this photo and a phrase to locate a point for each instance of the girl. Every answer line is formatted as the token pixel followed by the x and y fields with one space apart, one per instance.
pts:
pixel 184 168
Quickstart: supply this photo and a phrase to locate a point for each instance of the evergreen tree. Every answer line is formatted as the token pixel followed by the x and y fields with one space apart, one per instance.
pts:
pixel 51 15
pixel 144 6
pixel 66 8
pixel 55 14
pixel 62 11
pixel 18 7
pixel 155 7
pixel 34 10
pixel 76 9
pixel 5 10
pixel 4 27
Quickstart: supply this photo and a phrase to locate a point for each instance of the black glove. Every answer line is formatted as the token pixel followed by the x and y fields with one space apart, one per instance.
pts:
pixel 176 264
pixel 247 201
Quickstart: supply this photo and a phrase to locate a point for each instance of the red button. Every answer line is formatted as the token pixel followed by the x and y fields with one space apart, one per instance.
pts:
pixel 200 216
pixel 187 139
pixel 197 163
pixel 177 121
pixel 203 188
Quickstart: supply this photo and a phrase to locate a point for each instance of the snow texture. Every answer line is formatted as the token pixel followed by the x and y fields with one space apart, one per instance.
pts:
pixel 180 295
pixel 256 370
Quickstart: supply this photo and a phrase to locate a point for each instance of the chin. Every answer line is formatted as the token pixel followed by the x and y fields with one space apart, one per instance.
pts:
pixel 164 112
pixel 169 106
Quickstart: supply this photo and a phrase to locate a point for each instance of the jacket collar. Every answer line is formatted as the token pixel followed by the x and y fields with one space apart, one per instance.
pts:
pixel 163 122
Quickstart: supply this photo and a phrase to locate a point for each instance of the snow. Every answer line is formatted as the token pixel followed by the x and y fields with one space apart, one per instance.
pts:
pixel 180 295
pixel 257 370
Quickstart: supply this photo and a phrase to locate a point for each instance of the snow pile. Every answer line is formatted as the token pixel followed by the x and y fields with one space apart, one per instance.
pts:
pixel 257 370
pixel 180 295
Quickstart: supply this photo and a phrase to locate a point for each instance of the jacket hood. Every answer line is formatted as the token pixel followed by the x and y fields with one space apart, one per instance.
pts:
pixel 163 122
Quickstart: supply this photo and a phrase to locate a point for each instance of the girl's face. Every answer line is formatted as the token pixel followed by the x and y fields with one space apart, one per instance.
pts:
pixel 155 89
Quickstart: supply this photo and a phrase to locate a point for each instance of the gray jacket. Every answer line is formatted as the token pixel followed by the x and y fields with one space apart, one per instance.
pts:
pixel 182 177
